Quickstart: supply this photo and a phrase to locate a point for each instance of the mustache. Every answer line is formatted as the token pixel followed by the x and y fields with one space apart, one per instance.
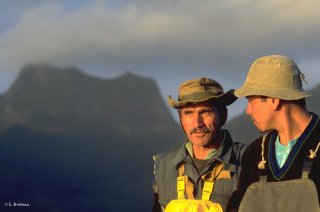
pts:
pixel 200 130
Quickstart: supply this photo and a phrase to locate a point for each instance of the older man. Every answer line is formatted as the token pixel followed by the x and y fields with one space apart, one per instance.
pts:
pixel 281 170
pixel 206 167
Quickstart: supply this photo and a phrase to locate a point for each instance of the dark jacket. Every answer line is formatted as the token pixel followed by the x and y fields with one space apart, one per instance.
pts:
pixel 166 163
pixel 292 169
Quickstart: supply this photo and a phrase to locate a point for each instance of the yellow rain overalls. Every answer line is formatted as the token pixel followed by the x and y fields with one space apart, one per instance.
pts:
pixel 185 188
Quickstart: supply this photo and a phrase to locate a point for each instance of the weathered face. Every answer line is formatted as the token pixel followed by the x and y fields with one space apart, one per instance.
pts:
pixel 201 123
pixel 259 109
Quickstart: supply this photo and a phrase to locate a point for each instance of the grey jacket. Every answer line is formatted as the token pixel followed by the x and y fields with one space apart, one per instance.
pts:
pixel 165 172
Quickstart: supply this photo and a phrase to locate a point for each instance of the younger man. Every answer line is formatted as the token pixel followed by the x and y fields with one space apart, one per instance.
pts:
pixel 280 170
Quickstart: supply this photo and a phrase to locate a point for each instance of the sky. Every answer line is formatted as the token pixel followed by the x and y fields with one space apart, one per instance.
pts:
pixel 168 40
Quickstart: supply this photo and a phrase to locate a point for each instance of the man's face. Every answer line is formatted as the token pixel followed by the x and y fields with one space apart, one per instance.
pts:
pixel 201 123
pixel 258 108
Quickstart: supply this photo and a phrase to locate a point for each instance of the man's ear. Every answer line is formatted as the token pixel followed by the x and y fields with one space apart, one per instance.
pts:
pixel 275 103
pixel 224 118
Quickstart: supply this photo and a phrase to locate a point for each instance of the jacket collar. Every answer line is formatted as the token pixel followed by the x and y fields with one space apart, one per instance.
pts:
pixel 223 153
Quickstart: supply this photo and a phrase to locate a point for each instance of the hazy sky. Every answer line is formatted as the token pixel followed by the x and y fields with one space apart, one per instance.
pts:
pixel 168 40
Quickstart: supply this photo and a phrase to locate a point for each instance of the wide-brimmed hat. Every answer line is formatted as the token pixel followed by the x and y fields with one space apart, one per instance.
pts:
pixel 274 76
pixel 201 90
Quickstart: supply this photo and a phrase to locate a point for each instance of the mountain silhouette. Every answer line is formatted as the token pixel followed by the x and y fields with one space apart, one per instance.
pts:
pixel 73 142
pixel 66 100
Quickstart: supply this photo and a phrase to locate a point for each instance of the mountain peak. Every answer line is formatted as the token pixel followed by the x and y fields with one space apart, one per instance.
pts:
pixel 37 76
pixel 44 71
pixel 65 99
pixel 130 76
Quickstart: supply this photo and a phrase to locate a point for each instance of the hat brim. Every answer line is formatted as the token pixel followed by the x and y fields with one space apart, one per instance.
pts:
pixel 275 93
pixel 226 99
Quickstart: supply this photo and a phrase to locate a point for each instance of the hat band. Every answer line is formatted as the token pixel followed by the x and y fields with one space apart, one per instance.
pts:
pixel 198 96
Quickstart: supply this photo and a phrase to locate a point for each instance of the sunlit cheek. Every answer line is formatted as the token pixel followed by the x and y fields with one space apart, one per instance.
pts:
pixel 188 120
pixel 249 109
pixel 187 124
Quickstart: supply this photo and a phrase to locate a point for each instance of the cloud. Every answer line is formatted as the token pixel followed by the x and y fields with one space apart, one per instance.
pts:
pixel 171 40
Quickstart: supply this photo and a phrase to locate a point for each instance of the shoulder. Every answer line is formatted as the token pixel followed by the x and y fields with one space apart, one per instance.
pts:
pixel 236 148
pixel 263 139
pixel 254 148
pixel 237 151
pixel 165 158
pixel 167 154
pixel 239 147
pixel 165 163
pixel 255 144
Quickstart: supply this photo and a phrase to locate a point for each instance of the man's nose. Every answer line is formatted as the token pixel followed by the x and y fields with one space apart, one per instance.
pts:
pixel 198 120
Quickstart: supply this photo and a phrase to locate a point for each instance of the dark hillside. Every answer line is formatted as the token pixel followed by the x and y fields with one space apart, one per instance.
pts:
pixel 71 142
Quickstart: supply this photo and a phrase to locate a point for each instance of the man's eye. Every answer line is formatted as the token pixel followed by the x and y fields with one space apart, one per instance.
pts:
pixel 187 113
pixel 207 112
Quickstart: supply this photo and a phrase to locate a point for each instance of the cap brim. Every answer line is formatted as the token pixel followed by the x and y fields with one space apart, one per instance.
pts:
pixel 275 93
pixel 226 99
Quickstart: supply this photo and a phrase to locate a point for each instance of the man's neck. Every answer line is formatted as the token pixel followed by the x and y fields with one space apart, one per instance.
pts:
pixel 201 152
pixel 292 124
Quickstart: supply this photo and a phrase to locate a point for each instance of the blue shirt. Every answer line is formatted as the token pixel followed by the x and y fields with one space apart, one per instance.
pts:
pixel 283 151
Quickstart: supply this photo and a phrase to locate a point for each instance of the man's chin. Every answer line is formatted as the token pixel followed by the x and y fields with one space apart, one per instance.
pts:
pixel 200 141
pixel 262 130
pixel 258 128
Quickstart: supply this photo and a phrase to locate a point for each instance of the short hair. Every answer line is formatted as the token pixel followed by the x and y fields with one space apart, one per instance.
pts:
pixel 299 102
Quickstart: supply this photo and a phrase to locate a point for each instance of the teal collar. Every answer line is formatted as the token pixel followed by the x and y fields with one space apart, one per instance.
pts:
pixel 283 151
pixel 212 152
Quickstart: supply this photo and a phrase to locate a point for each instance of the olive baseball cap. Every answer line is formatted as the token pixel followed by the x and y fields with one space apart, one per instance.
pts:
pixel 275 76
pixel 201 90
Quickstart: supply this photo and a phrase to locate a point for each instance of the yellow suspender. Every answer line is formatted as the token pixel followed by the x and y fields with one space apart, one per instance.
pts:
pixel 181 181
pixel 209 180
pixel 185 185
